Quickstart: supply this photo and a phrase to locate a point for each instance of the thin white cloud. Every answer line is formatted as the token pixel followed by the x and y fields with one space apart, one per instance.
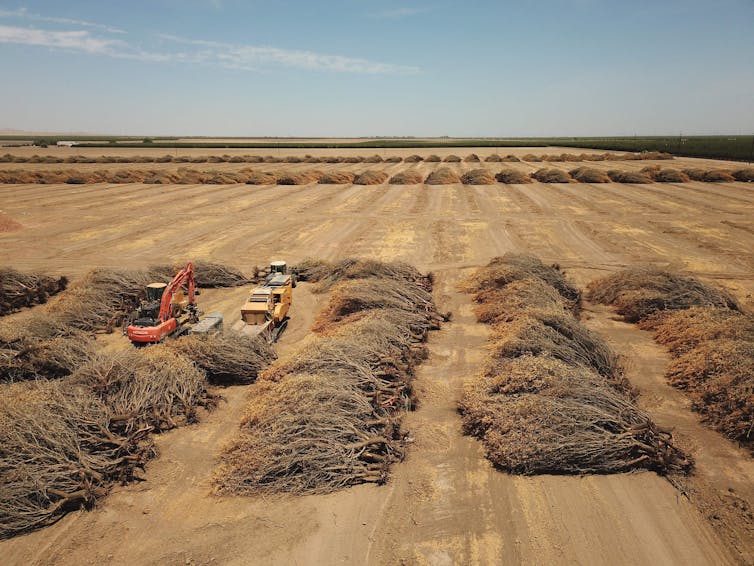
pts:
pixel 22 13
pixel 194 51
pixel 253 57
pixel 81 40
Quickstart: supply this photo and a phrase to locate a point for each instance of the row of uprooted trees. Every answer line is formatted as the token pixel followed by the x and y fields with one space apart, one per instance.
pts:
pixel 9 158
pixel 710 339
pixel 441 176
pixel 329 415
pixel 19 289
pixel 74 418
pixel 552 397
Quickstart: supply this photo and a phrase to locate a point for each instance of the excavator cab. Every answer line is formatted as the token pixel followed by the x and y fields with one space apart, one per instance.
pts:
pixel 155 291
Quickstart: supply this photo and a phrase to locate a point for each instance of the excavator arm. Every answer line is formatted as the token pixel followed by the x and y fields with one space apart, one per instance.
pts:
pixel 184 277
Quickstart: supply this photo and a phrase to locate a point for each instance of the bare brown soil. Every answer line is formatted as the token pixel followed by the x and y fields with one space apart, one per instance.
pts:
pixel 445 504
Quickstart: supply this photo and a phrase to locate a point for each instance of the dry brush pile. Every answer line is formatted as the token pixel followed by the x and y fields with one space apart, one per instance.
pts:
pixel 187 176
pixel 63 443
pixel 442 176
pixel 409 177
pixel 75 419
pixel 167 158
pixel 479 176
pixel 552 398
pixel 19 289
pixel 53 342
pixel 551 175
pixel 330 416
pixel 710 340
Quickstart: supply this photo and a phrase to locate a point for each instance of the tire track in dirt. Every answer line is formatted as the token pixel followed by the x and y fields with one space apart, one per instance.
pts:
pixel 720 485
pixel 447 505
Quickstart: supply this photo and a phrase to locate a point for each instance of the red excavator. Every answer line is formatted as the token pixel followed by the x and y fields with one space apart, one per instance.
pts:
pixel 167 311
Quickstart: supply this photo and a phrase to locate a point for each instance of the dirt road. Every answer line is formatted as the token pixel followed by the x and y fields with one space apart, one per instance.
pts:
pixel 444 504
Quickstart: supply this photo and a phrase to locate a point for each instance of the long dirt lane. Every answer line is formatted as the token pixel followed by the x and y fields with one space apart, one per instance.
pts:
pixel 444 504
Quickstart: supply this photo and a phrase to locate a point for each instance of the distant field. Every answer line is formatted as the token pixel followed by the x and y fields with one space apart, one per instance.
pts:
pixel 739 148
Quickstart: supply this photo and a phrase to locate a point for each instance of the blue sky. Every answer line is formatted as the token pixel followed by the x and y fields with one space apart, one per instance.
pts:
pixel 360 68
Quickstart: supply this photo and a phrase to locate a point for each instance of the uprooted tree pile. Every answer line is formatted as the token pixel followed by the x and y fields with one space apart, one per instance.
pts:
pixel 64 442
pixel 442 176
pixel 19 289
pixel 637 293
pixel 330 416
pixel 410 177
pixel 710 340
pixel 552 176
pixel 552 398
pixel 479 176
pixel 53 342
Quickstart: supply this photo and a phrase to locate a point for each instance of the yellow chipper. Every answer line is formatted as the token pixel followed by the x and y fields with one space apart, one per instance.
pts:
pixel 266 310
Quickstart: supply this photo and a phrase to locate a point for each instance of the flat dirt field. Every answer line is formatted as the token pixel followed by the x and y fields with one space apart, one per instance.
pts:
pixel 444 504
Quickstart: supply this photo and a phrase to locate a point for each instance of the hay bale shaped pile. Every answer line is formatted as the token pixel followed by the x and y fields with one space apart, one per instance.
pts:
pixel 471 158
pixel 337 178
pixel 409 177
pixel 531 157
pixel 637 293
pixel 155 389
pixel 712 351
pixel 718 176
pixel 478 177
pixel 302 178
pixel 39 346
pixel 329 416
pixel 511 159
pixel 442 176
pixel 503 270
pixel 551 175
pixel 666 175
pixel 58 453
pixel 681 331
pixel 539 415
pixel 452 159
pixel 261 178
pixel 63 443
pixel 589 175
pixel 225 358
pixel 628 177
pixel 744 175
pixel 327 274
pixel 493 158
pixel 371 177
pixel 552 398
pixel 433 158
pixel 373 159
pixel 358 295
pixel 414 159
pixel 101 299
pixel 512 177
pixel 313 159
pixel 19 289
pixel 394 159
pixel 353 159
